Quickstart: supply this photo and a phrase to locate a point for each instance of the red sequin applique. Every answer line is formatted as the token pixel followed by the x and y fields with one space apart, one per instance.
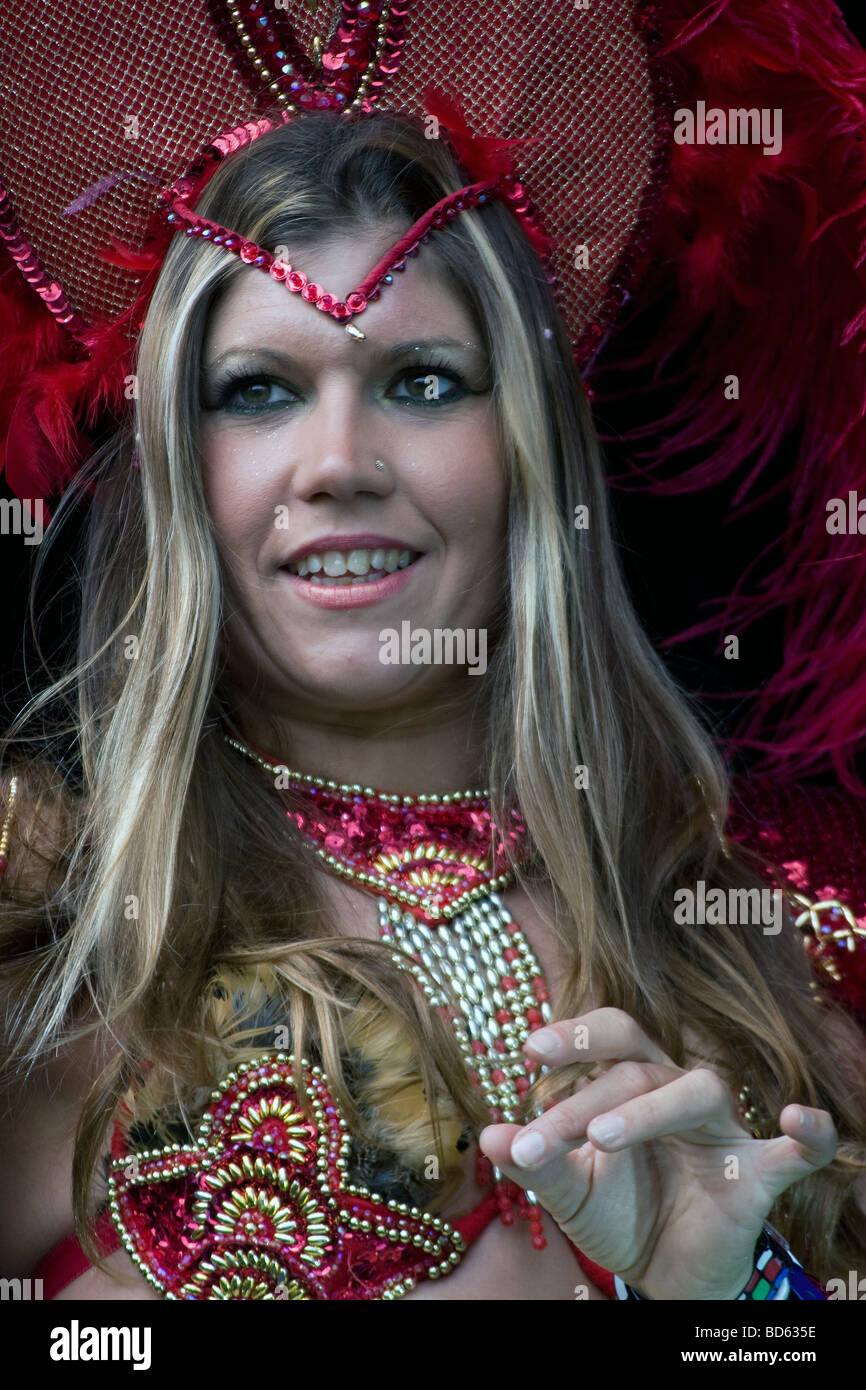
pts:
pixel 258 1206
pixel 434 857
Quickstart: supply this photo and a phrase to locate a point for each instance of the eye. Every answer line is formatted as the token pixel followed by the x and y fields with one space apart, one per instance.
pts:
pixel 428 386
pixel 248 395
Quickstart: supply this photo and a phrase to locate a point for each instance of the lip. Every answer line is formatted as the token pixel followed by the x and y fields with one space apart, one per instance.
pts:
pixel 352 595
pixel 366 540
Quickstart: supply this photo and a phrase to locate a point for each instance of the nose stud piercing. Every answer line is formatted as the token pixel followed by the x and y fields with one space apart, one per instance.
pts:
pixel 379 463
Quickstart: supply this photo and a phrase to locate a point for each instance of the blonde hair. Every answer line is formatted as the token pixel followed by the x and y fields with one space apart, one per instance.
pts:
pixel 169 818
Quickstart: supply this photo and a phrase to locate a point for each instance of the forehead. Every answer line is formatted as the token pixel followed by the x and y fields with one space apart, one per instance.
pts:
pixel 421 301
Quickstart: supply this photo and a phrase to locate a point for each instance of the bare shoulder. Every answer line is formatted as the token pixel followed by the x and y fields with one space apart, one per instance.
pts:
pixel 118 1281
pixel 38 814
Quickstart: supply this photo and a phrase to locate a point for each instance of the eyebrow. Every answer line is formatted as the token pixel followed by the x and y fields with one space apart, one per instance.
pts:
pixel 388 354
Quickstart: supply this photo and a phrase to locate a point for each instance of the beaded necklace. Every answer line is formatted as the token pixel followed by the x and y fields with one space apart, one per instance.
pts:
pixel 435 864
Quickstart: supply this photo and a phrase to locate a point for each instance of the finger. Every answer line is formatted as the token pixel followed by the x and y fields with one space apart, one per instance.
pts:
pixel 809 1142
pixel 598 1036
pixel 564 1126
pixel 560 1184
pixel 697 1099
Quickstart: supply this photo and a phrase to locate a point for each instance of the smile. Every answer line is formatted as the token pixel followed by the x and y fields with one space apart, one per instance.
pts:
pixel 347 568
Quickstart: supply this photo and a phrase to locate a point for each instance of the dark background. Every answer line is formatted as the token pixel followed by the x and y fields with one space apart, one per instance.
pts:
pixel 679 553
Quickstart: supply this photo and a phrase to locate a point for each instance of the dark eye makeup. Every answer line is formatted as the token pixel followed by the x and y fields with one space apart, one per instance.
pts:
pixel 423 384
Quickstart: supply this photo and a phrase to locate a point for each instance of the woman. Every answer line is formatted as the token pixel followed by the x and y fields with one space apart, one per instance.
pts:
pixel 179 925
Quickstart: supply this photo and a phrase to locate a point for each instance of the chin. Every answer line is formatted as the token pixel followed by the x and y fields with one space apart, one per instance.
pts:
pixel 360 682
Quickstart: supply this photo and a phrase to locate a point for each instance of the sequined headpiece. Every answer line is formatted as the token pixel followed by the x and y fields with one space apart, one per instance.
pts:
pixel 177 204
pixel 643 218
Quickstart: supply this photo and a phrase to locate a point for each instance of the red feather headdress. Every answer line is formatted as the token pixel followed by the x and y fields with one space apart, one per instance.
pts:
pixel 756 258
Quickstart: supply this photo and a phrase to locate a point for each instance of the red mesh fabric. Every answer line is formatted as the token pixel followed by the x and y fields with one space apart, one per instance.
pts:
pixel 88 92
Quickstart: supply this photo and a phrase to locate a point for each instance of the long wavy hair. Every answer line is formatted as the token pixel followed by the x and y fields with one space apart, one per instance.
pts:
pixel 179 921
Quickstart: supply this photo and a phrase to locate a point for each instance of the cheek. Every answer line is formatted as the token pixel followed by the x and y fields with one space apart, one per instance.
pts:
pixel 217 474
pixel 473 490
pixel 231 489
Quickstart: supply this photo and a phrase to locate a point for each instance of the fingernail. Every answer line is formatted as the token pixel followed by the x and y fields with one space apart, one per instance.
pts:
pixel 806 1120
pixel 606 1130
pixel 544 1041
pixel 528 1148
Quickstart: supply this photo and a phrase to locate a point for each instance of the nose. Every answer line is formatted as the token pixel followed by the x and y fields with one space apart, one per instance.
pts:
pixel 336 448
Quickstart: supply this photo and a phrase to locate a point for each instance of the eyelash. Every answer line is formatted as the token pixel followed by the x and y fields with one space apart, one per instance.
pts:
pixel 234 380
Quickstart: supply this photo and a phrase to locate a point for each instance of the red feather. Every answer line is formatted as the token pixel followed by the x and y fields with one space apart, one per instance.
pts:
pixel 759 270
pixel 54 390
pixel 482 156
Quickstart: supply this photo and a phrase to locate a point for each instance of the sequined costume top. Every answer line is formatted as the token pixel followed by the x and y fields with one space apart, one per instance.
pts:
pixel 260 1202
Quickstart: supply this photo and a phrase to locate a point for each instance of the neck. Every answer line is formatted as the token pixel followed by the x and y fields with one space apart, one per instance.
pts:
pixel 435 750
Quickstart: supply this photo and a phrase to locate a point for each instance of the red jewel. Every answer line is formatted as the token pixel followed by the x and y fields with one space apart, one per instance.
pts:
pixel 498 1076
pixel 341 311
pixel 248 252
pixel 511 953
pixel 521 1085
pixel 311 291
pixel 279 270
pixel 539 1242
pixel 534 1015
pixel 508 982
pixel 542 995
pixel 478 1047
pixel 503 1016
pixel 500 1044
pixel 296 280
pixel 325 302
pixel 356 302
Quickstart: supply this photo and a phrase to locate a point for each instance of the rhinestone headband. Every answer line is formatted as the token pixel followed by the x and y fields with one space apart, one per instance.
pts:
pixel 176 212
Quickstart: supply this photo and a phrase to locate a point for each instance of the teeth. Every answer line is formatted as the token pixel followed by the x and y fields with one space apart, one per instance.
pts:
pixel 351 566
pixel 347 579
pixel 358 562
pixel 333 563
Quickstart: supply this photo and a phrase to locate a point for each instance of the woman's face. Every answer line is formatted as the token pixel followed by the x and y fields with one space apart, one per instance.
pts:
pixel 295 414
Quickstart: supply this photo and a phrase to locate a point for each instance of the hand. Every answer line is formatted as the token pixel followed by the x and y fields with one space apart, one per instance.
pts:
pixel 674 1200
